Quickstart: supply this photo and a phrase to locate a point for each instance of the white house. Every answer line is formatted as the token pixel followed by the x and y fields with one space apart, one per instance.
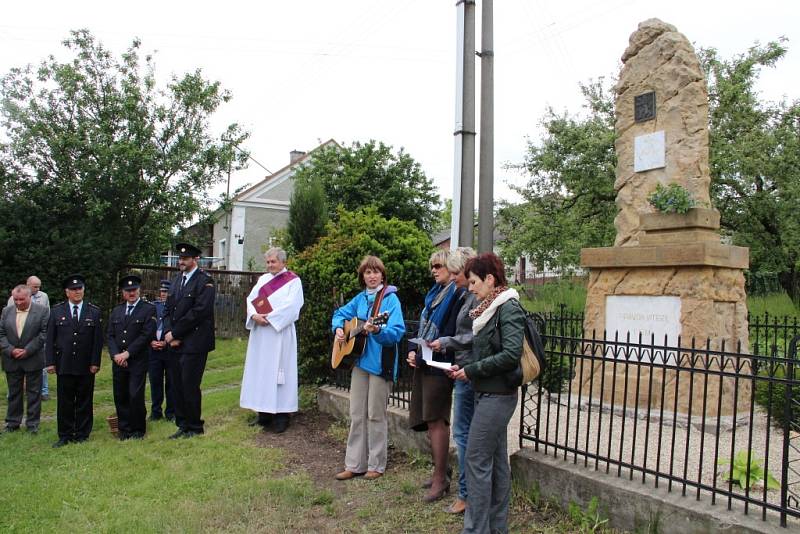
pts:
pixel 241 236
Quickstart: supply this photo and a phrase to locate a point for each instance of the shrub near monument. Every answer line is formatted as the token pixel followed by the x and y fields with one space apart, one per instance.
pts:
pixel 328 271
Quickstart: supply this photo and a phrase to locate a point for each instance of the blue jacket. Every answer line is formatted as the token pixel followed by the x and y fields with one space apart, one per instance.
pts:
pixel 390 334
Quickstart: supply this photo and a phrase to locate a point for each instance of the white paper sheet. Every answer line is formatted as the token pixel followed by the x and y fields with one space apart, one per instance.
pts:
pixel 427 354
pixel 440 365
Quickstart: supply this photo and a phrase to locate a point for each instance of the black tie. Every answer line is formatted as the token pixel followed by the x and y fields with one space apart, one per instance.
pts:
pixel 130 309
pixel 183 284
pixel 75 312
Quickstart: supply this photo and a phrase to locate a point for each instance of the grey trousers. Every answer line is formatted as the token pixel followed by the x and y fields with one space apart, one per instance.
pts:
pixel 369 430
pixel 487 468
pixel 33 391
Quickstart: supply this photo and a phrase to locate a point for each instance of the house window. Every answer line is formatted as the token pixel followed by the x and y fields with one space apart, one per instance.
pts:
pixel 223 252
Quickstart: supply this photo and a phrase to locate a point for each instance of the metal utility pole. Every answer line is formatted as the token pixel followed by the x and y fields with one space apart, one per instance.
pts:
pixel 464 175
pixel 486 177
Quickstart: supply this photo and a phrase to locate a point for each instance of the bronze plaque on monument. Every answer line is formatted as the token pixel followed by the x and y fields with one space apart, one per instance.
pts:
pixel 644 107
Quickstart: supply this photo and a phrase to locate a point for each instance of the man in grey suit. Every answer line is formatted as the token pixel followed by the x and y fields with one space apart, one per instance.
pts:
pixel 37 297
pixel 23 328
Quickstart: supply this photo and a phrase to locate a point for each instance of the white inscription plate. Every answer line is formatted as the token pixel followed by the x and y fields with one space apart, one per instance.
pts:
pixel 652 317
pixel 649 152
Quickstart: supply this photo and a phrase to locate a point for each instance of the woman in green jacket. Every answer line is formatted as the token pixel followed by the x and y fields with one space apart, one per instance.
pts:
pixel 498 328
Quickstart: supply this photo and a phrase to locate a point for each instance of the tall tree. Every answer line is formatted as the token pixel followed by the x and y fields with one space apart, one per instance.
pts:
pixel 755 162
pixel 569 198
pixel 308 214
pixel 371 174
pixel 99 165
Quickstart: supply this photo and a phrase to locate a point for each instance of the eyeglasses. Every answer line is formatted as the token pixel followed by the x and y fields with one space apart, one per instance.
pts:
pixel 437 266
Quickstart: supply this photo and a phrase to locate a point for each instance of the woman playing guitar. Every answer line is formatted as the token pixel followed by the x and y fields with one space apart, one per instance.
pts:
pixel 373 372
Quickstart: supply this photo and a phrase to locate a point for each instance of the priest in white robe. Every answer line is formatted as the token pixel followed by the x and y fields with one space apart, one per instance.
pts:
pixel 269 384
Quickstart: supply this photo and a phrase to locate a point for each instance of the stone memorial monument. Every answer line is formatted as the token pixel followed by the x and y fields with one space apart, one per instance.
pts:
pixel 667 274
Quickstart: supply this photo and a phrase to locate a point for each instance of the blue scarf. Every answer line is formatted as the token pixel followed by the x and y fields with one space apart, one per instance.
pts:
pixel 437 302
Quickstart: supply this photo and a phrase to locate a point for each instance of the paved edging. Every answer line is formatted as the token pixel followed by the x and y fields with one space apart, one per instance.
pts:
pixel 631 505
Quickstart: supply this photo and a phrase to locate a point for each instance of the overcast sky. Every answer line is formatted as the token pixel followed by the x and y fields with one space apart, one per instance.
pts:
pixel 304 71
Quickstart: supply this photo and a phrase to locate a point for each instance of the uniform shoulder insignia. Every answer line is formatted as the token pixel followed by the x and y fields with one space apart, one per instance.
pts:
pixel 93 306
pixel 210 284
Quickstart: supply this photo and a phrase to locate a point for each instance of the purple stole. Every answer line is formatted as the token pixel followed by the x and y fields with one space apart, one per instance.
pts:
pixel 276 283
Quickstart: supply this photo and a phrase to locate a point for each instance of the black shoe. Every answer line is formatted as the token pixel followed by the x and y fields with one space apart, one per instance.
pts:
pixel 136 435
pixel 9 429
pixel 155 417
pixel 124 436
pixel 45 397
pixel 60 443
pixel 80 440
pixel 177 435
pixel 170 418
pixel 281 423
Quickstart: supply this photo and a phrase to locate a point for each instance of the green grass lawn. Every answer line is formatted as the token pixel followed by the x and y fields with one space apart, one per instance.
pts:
pixel 232 479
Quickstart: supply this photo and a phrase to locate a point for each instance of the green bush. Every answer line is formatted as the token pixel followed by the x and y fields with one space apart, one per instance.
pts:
pixel 328 271
pixel 671 199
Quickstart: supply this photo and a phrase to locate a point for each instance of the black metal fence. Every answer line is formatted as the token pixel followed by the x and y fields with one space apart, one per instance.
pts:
pixel 718 422
pixel 715 422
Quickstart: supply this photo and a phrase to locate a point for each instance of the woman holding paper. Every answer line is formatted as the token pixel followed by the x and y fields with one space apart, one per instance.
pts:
pixel 431 393
pixel 458 339
pixel 498 328
pixel 373 372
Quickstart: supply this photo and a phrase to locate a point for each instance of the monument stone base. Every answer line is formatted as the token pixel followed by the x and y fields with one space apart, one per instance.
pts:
pixel 693 298
pixel 713 314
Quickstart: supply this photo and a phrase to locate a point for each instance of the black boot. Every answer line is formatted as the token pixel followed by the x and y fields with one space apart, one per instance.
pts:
pixel 281 422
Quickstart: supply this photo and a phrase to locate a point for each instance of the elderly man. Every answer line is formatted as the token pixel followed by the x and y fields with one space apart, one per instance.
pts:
pixel 38 297
pixel 131 326
pixel 72 350
pixel 23 327
pixel 269 384
pixel 189 327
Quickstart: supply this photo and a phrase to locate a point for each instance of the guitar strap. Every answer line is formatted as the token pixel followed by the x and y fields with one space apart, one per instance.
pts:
pixel 376 306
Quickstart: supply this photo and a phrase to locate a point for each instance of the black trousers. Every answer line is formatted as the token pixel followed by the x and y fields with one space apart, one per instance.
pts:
pixel 75 398
pixel 31 382
pixel 129 396
pixel 186 378
pixel 159 370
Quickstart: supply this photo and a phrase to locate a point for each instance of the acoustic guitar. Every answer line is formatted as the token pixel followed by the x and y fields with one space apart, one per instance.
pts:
pixel 354 338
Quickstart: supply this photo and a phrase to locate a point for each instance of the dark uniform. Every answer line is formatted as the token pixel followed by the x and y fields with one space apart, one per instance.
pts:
pixel 73 346
pixel 189 316
pixel 160 363
pixel 130 328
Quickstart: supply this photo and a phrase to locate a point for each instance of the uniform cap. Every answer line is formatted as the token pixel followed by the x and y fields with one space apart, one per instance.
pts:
pixel 187 250
pixel 74 281
pixel 130 281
